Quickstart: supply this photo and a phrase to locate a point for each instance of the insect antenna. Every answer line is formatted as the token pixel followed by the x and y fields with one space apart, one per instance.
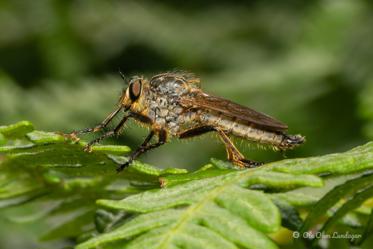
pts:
pixel 122 76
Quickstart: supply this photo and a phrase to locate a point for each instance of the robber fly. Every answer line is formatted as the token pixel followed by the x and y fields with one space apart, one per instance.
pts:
pixel 174 105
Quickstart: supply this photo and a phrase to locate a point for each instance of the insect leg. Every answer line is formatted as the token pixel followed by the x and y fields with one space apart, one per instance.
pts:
pixel 111 133
pixel 234 155
pixel 99 127
pixel 144 147
pixel 196 131
pixel 141 118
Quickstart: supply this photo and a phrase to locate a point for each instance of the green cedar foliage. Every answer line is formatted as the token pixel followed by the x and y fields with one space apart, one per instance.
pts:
pixel 216 206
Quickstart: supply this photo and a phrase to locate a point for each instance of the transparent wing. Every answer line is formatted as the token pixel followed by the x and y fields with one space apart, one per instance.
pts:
pixel 183 76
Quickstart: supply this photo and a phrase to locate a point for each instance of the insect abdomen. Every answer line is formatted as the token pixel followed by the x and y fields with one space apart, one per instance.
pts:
pixel 277 140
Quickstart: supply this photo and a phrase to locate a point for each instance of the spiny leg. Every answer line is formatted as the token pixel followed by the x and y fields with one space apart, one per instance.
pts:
pixel 144 147
pixel 111 133
pixel 234 155
pixel 195 131
pixel 143 119
pixel 99 127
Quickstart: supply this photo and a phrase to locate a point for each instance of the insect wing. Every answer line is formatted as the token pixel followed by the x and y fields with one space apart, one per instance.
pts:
pixel 232 110
pixel 180 76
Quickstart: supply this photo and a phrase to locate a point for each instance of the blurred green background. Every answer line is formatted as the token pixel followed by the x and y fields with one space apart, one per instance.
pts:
pixel 307 63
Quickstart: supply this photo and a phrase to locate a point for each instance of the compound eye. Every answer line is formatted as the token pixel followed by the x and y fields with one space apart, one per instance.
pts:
pixel 135 89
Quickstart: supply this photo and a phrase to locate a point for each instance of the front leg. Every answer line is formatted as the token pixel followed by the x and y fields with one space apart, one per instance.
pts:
pixel 144 147
pixel 115 132
pixel 102 125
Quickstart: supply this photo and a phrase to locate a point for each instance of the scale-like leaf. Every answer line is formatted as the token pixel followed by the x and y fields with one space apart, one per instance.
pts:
pixel 350 205
pixel 17 130
pixel 136 226
pixel 332 197
pixel 355 160
pixel 46 167
pixel 199 195
pixel 76 224
pixel 216 206
pixel 216 200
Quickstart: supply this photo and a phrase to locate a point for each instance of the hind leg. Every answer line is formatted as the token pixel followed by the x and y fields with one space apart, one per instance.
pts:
pixel 234 155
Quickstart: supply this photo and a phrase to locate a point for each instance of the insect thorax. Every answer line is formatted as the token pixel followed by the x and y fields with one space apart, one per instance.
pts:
pixel 164 109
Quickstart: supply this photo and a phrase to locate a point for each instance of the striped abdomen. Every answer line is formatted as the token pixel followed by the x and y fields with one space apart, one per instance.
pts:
pixel 278 140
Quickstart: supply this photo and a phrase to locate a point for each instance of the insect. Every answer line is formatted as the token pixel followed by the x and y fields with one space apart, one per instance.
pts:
pixel 174 105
